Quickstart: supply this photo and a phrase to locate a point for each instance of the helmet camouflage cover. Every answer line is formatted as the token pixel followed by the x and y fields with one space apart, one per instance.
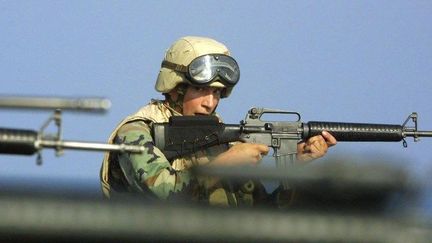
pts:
pixel 182 52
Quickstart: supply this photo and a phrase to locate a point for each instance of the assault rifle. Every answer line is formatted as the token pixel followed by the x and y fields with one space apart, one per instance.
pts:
pixel 184 135
pixel 29 142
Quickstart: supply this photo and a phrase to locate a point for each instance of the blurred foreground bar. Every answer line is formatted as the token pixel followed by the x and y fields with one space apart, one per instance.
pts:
pixel 333 175
pixel 51 103
pixel 52 219
pixel 341 202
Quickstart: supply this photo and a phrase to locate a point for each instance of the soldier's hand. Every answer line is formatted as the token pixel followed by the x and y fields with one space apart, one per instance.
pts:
pixel 315 147
pixel 241 154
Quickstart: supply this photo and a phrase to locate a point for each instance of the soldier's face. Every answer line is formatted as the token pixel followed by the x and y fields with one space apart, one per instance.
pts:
pixel 200 100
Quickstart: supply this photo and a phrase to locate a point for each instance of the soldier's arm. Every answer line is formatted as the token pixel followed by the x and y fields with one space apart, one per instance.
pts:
pixel 150 169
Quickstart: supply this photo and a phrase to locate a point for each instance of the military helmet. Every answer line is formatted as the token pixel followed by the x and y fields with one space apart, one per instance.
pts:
pixel 182 53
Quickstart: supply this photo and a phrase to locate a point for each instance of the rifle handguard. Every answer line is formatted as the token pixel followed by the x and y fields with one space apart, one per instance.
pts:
pixel 361 132
pixel 14 141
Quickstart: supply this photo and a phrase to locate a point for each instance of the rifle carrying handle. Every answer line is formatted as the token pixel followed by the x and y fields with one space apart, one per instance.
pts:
pixel 361 132
pixel 18 141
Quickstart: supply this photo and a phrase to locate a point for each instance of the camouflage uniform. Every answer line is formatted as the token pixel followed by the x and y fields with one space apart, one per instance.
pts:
pixel 153 175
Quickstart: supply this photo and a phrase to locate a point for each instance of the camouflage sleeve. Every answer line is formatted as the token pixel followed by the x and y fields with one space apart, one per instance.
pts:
pixel 149 170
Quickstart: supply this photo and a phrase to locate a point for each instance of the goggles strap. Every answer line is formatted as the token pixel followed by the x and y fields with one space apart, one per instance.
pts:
pixel 175 67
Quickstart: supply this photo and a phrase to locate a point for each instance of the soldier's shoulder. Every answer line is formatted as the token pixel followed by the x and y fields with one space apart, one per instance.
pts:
pixel 155 111
pixel 134 125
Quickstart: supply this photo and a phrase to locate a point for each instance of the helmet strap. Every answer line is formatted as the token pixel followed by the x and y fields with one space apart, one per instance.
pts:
pixel 176 103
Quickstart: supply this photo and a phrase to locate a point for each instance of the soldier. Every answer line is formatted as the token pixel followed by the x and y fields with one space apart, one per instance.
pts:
pixel 191 85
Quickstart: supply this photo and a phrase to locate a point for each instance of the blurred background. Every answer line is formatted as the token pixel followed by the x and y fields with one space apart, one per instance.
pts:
pixel 347 61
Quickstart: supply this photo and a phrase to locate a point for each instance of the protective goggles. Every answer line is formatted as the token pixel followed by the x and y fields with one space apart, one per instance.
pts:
pixel 204 69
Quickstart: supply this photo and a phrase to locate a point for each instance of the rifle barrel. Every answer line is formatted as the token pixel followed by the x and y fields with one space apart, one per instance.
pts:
pixel 418 133
pixel 51 103
pixel 90 146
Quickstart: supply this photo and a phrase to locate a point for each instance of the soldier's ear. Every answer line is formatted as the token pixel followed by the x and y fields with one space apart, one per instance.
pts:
pixel 172 95
pixel 178 92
